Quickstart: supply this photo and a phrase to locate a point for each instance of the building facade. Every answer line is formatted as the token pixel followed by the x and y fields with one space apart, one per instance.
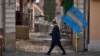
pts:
pixel 91 12
pixel 94 25
pixel 91 8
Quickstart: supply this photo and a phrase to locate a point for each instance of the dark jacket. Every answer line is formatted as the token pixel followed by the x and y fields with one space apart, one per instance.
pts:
pixel 55 34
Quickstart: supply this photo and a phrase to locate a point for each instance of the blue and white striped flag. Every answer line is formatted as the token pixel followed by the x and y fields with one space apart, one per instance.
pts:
pixel 75 19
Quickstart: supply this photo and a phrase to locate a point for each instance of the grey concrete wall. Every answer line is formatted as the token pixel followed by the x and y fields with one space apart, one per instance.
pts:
pixel 94 46
pixel 10 36
pixel 41 28
pixel 10 42
pixel 80 42
pixel 80 5
pixel 10 16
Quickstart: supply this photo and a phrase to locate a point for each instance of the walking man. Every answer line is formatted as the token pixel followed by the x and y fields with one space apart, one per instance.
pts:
pixel 55 39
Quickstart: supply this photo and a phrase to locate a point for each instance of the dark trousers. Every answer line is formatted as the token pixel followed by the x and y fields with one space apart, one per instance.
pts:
pixel 53 44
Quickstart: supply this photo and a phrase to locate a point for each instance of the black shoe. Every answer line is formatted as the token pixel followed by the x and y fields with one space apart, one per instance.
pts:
pixel 47 53
pixel 64 54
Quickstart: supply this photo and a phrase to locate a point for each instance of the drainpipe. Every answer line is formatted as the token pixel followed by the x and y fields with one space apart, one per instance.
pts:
pixel 3 17
pixel 88 21
pixel 86 31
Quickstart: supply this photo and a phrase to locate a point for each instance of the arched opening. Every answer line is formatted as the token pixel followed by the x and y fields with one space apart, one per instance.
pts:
pixel 36 28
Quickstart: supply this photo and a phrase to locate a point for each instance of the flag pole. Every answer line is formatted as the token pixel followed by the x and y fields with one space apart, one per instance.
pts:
pixel 77 3
pixel 76 42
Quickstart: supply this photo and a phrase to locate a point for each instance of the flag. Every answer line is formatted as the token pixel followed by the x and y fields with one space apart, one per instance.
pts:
pixel 77 13
pixel 71 23
pixel 74 19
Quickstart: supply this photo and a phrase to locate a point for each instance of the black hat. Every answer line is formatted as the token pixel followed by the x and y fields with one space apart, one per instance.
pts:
pixel 54 22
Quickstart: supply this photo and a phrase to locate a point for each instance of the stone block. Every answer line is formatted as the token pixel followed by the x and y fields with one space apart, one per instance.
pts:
pixel 22 32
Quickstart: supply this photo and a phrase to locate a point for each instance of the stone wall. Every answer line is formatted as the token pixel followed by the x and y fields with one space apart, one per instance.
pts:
pixel 10 42
pixel 41 28
pixel 22 32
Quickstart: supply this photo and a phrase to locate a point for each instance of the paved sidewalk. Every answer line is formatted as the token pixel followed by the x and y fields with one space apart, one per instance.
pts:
pixel 26 50
pixel 57 54
pixel 37 49
pixel 39 46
